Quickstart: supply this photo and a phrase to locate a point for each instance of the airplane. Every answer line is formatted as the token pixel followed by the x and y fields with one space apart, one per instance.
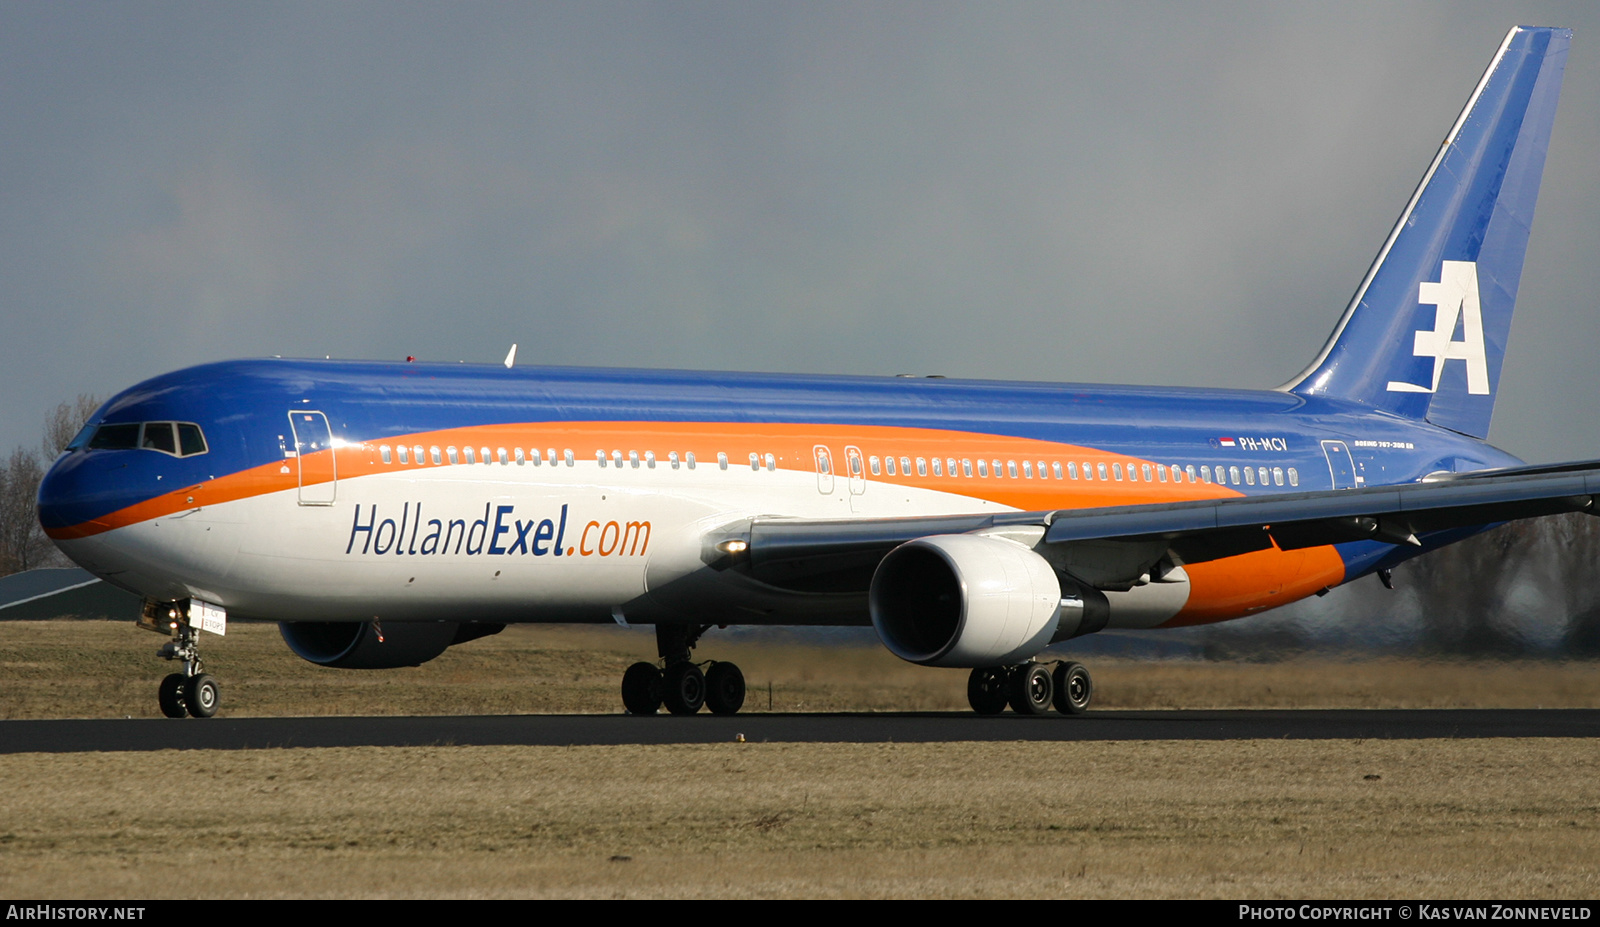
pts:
pixel 384 512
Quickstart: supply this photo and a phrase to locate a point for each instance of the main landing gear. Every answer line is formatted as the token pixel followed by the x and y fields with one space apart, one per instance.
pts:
pixel 1030 689
pixel 681 685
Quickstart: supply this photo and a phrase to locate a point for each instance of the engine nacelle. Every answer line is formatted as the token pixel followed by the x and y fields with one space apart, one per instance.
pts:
pixel 360 645
pixel 964 600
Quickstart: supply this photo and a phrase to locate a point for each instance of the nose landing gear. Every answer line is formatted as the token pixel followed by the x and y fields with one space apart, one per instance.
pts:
pixel 193 692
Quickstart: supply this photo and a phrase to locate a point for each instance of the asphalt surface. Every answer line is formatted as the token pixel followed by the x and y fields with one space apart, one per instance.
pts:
pixel 79 736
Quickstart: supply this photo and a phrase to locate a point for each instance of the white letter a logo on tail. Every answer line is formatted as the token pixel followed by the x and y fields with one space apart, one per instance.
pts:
pixel 1454 297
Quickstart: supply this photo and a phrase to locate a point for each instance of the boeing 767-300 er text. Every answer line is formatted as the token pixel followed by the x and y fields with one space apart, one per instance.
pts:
pixel 384 512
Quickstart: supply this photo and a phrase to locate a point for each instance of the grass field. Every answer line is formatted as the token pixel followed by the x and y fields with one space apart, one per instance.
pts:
pixel 98 669
pixel 1243 819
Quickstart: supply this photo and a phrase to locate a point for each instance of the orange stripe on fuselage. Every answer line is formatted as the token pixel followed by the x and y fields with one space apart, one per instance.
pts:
pixel 1219 590
pixel 791 445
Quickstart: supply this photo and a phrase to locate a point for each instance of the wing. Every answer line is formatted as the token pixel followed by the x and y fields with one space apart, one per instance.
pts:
pixel 840 555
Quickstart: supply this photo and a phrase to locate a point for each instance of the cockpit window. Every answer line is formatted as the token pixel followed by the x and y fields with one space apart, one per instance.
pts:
pixel 180 439
pixel 158 437
pixel 190 440
pixel 115 436
pixel 82 437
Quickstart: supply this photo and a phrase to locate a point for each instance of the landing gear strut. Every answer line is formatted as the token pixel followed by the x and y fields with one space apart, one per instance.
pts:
pixel 678 683
pixel 193 692
pixel 1030 689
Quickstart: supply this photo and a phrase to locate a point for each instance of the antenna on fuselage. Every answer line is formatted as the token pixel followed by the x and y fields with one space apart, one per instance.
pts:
pixel 511 356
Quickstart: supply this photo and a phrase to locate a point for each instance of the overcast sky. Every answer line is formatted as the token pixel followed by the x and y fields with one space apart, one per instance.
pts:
pixel 1141 193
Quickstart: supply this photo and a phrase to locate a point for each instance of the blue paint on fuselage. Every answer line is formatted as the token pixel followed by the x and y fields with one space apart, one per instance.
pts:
pixel 242 406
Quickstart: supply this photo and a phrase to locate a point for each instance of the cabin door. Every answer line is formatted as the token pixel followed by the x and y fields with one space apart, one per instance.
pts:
pixel 824 459
pixel 1340 465
pixel 313 451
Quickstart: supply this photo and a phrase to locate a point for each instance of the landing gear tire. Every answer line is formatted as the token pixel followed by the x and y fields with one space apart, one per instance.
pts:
pixel 1031 689
pixel 724 689
pixel 986 689
pixel 641 689
pixel 171 696
pixel 683 688
pixel 201 696
pixel 1074 689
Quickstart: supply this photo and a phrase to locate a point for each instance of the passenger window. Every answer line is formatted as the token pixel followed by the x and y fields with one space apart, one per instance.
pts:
pixel 1205 474
pixel 922 466
pixel 383 451
pixel 938 468
pixel 521 458
pixel 755 461
pixel 966 467
pixel 889 463
pixel 772 464
pixel 1249 476
pixel 433 455
pixel 1072 470
pixel 600 457
pixel 650 459
pixel 452 454
pixel 950 466
pixel 905 465
pixel 983 468
pixel 672 458
pixel 468 456
pixel 722 462
pixel 1277 476
pixel 1161 473
pixel 1190 470
pixel 1055 469
pixel 1294 477
pixel 533 455
pixel 616 459
pixel 567 455
pixel 404 458
pixel 876 465
pixel 1145 469
pixel 1116 471
pixel 633 459
pixel 500 454
pixel 689 459
pixel 416 451
pixel 1233 475
pixel 1261 474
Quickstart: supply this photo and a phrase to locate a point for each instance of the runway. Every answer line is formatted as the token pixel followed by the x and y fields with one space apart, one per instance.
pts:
pixel 81 736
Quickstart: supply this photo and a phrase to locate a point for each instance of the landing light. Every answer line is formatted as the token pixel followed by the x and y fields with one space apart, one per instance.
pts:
pixel 734 546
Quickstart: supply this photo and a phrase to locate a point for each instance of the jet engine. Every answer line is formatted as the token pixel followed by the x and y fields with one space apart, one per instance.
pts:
pixel 366 645
pixel 964 600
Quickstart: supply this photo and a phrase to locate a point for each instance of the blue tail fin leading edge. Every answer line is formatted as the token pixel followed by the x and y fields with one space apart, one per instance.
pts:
pixel 1426 331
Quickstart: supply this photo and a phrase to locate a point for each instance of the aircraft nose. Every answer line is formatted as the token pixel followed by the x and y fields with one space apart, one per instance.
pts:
pixel 77 488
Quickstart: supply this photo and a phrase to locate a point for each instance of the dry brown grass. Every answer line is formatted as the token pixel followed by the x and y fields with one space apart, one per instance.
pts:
pixel 105 669
pixel 1252 819
pixel 1248 819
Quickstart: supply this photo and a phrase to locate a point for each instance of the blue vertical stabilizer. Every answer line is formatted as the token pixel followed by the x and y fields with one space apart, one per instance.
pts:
pixel 1426 332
